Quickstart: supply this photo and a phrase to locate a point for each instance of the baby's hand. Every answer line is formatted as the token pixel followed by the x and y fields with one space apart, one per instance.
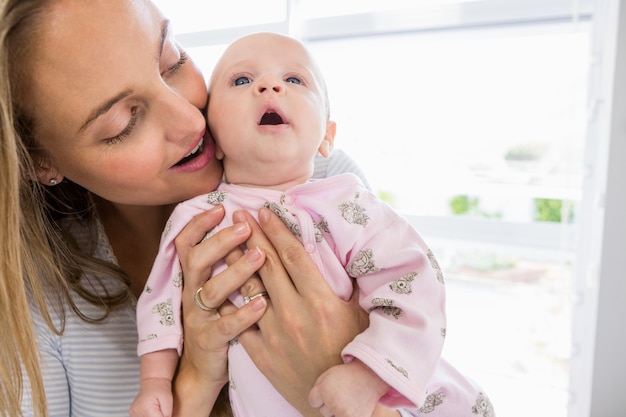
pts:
pixel 154 399
pixel 347 390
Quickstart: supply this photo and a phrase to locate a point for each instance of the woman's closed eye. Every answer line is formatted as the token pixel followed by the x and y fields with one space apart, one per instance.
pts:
pixel 132 122
pixel 181 61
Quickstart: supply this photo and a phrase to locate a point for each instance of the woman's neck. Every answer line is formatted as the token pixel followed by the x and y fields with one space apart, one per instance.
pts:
pixel 134 233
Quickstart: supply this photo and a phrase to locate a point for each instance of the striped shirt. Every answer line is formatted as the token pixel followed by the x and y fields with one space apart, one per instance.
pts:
pixel 91 370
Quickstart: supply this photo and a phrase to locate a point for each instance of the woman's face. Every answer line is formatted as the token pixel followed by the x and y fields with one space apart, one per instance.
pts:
pixel 118 104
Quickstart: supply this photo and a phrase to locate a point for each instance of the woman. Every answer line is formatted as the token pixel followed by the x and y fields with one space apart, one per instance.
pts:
pixel 102 133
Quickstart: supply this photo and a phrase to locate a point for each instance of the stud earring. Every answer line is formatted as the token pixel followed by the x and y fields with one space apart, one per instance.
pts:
pixel 53 181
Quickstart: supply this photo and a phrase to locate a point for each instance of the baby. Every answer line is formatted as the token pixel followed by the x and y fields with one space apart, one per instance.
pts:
pixel 269 113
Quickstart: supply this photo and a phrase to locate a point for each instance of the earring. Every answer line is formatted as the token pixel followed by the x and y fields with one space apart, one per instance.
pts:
pixel 53 181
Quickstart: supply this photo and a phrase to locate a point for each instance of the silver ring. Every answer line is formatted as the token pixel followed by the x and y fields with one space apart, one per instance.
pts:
pixel 198 300
pixel 247 299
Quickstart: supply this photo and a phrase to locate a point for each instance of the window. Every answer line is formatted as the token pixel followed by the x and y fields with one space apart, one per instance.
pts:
pixel 493 119
pixel 470 118
pixel 191 16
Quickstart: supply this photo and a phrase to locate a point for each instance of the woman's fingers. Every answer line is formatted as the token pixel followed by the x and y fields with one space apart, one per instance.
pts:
pixel 305 323
pixel 253 286
pixel 197 259
pixel 206 348
pixel 242 318
pixel 298 263
pixel 207 333
pixel 202 297
pixel 289 266
pixel 238 276
pixel 200 253
pixel 196 229
pixel 237 320
pixel 275 277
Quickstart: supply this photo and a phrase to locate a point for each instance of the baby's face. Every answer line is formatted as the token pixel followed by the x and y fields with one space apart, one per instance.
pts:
pixel 267 109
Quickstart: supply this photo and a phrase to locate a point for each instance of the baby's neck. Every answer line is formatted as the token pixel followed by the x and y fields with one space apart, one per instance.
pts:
pixel 268 185
pixel 277 187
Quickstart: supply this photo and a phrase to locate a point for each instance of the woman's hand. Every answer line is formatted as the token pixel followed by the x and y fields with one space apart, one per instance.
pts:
pixel 202 370
pixel 306 325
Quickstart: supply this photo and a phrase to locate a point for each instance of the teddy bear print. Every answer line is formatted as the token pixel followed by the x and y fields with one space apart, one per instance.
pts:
pixel 400 369
pixel 320 227
pixel 284 215
pixel 167 228
pixel 216 198
pixel 403 285
pixel 164 309
pixel 483 406
pixel 362 264
pixel 177 282
pixel 435 265
pixel 353 213
pixel 387 307
pixel 431 402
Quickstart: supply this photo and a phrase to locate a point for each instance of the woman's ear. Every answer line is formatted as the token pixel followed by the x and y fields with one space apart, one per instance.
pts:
pixel 326 147
pixel 48 175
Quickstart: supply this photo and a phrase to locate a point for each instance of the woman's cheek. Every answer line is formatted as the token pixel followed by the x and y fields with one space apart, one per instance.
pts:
pixel 192 86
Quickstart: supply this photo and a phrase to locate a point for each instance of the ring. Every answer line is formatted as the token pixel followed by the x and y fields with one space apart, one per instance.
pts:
pixel 247 299
pixel 198 300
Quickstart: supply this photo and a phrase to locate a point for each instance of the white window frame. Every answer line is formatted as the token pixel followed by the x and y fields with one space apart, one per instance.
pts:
pixel 433 15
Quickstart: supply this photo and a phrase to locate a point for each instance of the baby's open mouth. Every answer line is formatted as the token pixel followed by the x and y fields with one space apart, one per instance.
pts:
pixel 271 118
pixel 191 155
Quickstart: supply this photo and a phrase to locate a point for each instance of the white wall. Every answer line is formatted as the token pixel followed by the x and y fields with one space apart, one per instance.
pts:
pixel 609 363
pixel 598 361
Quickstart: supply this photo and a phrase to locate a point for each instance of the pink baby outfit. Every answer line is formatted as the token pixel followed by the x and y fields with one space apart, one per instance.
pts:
pixel 353 237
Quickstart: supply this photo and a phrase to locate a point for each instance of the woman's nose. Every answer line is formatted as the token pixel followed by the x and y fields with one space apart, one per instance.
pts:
pixel 181 119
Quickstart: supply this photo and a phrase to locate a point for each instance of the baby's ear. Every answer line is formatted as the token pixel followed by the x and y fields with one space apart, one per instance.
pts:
pixel 326 147
pixel 219 153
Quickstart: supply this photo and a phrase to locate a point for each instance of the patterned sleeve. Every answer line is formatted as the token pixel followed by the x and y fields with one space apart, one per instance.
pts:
pixel 402 287
pixel 159 322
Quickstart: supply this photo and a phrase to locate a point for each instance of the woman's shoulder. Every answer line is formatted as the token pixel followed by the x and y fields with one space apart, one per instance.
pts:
pixel 90 237
pixel 338 162
pixel 91 366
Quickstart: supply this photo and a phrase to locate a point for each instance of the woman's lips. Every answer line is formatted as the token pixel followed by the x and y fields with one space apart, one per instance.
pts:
pixel 191 155
pixel 199 157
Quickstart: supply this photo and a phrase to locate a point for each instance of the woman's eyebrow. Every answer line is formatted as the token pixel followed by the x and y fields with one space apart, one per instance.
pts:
pixel 165 29
pixel 106 106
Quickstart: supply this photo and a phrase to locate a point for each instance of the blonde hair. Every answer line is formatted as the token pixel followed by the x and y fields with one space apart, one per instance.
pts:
pixel 20 346
pixel 38 261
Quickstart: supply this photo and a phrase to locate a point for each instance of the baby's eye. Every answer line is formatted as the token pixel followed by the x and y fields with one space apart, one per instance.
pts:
pixel 242 81
pixel 294 80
